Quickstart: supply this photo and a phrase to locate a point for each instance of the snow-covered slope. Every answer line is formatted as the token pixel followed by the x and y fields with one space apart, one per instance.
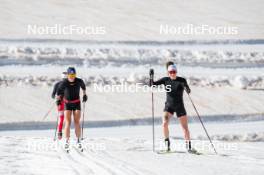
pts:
pixel 130 20
pixel 31 104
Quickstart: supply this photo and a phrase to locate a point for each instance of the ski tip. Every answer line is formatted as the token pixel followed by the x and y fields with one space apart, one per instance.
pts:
pixel 195 152
pixel 177 151
pixel 168 152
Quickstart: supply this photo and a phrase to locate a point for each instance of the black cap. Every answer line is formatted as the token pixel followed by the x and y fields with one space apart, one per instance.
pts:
pixel 169 63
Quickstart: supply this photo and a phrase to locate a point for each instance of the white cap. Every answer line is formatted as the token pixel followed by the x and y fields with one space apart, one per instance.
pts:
pixel 172 67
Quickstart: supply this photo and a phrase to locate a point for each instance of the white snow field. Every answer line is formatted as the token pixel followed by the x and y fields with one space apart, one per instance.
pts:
pixel 225 73
pixel 130 20
pixel 128 150
pixel 31 104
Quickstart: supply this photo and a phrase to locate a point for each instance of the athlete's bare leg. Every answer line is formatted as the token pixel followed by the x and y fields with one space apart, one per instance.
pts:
pixel 77 117
pixel 165 124
pixel 184 123
pixel 67 124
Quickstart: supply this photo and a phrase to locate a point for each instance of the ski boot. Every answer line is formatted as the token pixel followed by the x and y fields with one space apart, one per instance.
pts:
pixel 60 135
pixel 67 146
pixel 167 144
pixel 79 145
pixel 190 149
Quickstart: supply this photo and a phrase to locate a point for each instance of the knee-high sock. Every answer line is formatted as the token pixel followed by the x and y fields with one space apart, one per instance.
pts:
pixel 60 124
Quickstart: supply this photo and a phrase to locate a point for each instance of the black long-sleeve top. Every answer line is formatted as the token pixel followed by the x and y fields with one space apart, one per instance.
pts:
pixel 174 88
pixel 71 90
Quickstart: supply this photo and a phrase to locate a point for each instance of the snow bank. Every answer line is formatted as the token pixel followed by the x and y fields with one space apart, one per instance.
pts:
pixel 247 137
pixel 241 82
pixel 103 56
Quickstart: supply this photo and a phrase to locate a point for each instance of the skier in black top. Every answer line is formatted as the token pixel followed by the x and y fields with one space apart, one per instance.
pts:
pixel 60 107
pixel 174 86
pixel 69 92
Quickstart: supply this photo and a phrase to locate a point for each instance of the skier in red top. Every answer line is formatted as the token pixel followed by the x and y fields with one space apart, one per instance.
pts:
pixel 60 107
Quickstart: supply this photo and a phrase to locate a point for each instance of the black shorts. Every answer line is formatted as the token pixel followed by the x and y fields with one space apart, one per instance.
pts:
pixel 178 108
pixel 72 106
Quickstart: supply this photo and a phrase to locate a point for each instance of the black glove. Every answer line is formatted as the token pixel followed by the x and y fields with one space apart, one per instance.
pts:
pixel 151 72
pixel 58 102
pixel 85 98
pixel 188 90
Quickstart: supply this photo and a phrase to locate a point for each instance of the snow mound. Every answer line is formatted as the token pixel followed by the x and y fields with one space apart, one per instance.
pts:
pixel 247 137
pixel 241 82
pixel 116 56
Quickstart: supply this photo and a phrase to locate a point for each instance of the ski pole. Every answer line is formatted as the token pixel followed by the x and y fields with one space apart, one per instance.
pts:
pixel 153 123
pixel 55 134
pixel 151 74
pixel 83 118
pixel 50 109
pixel 202 123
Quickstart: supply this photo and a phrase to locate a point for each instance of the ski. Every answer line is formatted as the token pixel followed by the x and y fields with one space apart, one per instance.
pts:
pixel 79 147
pixel 169 152
pixel 67 148
pixel 193 151
pixel 177 151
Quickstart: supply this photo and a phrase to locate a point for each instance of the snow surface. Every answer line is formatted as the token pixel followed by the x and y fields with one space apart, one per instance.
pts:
pixel 225 73
pixel 128 150
pixel 127 20
pixel 32 103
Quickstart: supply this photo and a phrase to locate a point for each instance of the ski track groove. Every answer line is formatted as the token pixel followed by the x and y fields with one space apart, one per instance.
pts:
pixel 241 157
pixel 247 159
pixel 123 167
pixel 65 157
pixel 103 164
pixel 113 168
pixel 97 168
pixel 76 158
pixel 124 164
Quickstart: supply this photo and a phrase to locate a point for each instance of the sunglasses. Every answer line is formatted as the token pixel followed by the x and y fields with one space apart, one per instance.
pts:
pixel 172 72
pixel 71 75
